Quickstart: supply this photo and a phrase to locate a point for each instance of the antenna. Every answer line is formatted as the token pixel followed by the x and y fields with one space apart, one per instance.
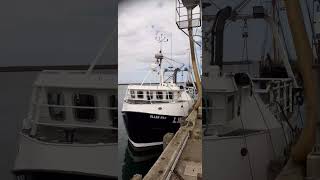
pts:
pixel 161 37
pixel 101 51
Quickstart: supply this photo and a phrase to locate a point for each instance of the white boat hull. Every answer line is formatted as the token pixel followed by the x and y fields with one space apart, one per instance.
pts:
pixel 92 160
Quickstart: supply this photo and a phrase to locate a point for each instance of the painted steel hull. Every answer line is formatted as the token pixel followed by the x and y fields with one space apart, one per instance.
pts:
pixel 145 130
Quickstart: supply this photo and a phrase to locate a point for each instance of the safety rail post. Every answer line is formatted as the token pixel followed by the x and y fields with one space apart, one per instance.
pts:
pixel 291 97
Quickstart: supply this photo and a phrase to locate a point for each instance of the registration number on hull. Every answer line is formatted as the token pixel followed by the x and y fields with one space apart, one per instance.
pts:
pixel 157 117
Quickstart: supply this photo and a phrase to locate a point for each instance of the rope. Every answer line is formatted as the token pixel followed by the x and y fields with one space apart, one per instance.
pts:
pixel 245 142
pixel 265 122
pixel 284 115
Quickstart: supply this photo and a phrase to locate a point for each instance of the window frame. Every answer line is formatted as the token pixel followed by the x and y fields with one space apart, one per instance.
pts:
pixel 132 94
pixel 140 94
pixel 159 94
pixel 51 109
pixel 169 95
pixel 149 95
pixel 74 109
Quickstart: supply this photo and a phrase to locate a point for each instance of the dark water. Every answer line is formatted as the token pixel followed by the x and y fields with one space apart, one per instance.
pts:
pixel 131 161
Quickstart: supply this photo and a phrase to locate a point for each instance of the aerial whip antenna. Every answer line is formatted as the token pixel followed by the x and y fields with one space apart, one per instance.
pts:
pixel 96 59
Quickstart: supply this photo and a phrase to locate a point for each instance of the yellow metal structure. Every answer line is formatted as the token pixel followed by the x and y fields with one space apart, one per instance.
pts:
pixel 305 58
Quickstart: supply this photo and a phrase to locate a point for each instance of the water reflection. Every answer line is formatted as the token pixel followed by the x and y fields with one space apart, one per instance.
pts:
pixel 139 161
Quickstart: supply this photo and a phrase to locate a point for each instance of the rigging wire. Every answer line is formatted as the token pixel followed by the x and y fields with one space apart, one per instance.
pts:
pixel 173 60
pixel 284 115
pixel 311 21
pixel 300 115
pixel 245 52
pixel 101 51
pixel 264 44
pixel 245 140
pixel 265 122
pixel 310 18
pixel 215 4
pixel 240 6
pixel 280 25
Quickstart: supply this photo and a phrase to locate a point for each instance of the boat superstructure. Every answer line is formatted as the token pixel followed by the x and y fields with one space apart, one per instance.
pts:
pixel 249 122
pixel 152 110
pixel 250 118
pixel 71 128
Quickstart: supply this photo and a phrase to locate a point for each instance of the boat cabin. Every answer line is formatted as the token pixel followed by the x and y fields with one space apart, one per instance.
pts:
pixel 74 107
pixel 219 100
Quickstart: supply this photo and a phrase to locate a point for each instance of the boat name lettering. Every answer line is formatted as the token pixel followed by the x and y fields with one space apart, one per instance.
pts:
pixel 157 117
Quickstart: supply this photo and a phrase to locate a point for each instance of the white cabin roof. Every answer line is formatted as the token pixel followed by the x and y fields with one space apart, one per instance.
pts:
pixel 154 87
pixel 76 79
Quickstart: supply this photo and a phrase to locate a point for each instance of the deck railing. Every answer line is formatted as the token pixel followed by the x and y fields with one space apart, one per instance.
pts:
pixel 102 120
pixel 277 94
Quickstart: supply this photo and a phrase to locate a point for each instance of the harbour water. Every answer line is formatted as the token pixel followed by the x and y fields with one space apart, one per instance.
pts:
pixel 131 161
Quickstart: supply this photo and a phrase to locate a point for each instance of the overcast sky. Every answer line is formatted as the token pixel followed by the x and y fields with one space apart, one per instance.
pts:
pixel 138 23
pixel 56 32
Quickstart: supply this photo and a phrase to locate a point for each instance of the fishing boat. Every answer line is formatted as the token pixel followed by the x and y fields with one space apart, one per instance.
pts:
pixel 250 120
pixel 152 110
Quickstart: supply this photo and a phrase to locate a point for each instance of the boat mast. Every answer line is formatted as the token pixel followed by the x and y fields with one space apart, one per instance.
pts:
pixel 190 5
pixel 159 58
pixel 161 38
pixel 294 168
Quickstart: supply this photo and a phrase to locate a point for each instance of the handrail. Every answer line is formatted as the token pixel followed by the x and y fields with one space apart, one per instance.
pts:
pixel 71 125
pixel 76 107
pixel 66 144
pixel 271 79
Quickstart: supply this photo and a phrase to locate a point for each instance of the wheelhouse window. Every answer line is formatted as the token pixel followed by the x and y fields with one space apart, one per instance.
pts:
pixel 133 95
pixel 159 95
pixel 149 95
pixel 84 114
pixel 140 94
pixel 56 99
pixel 169 95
